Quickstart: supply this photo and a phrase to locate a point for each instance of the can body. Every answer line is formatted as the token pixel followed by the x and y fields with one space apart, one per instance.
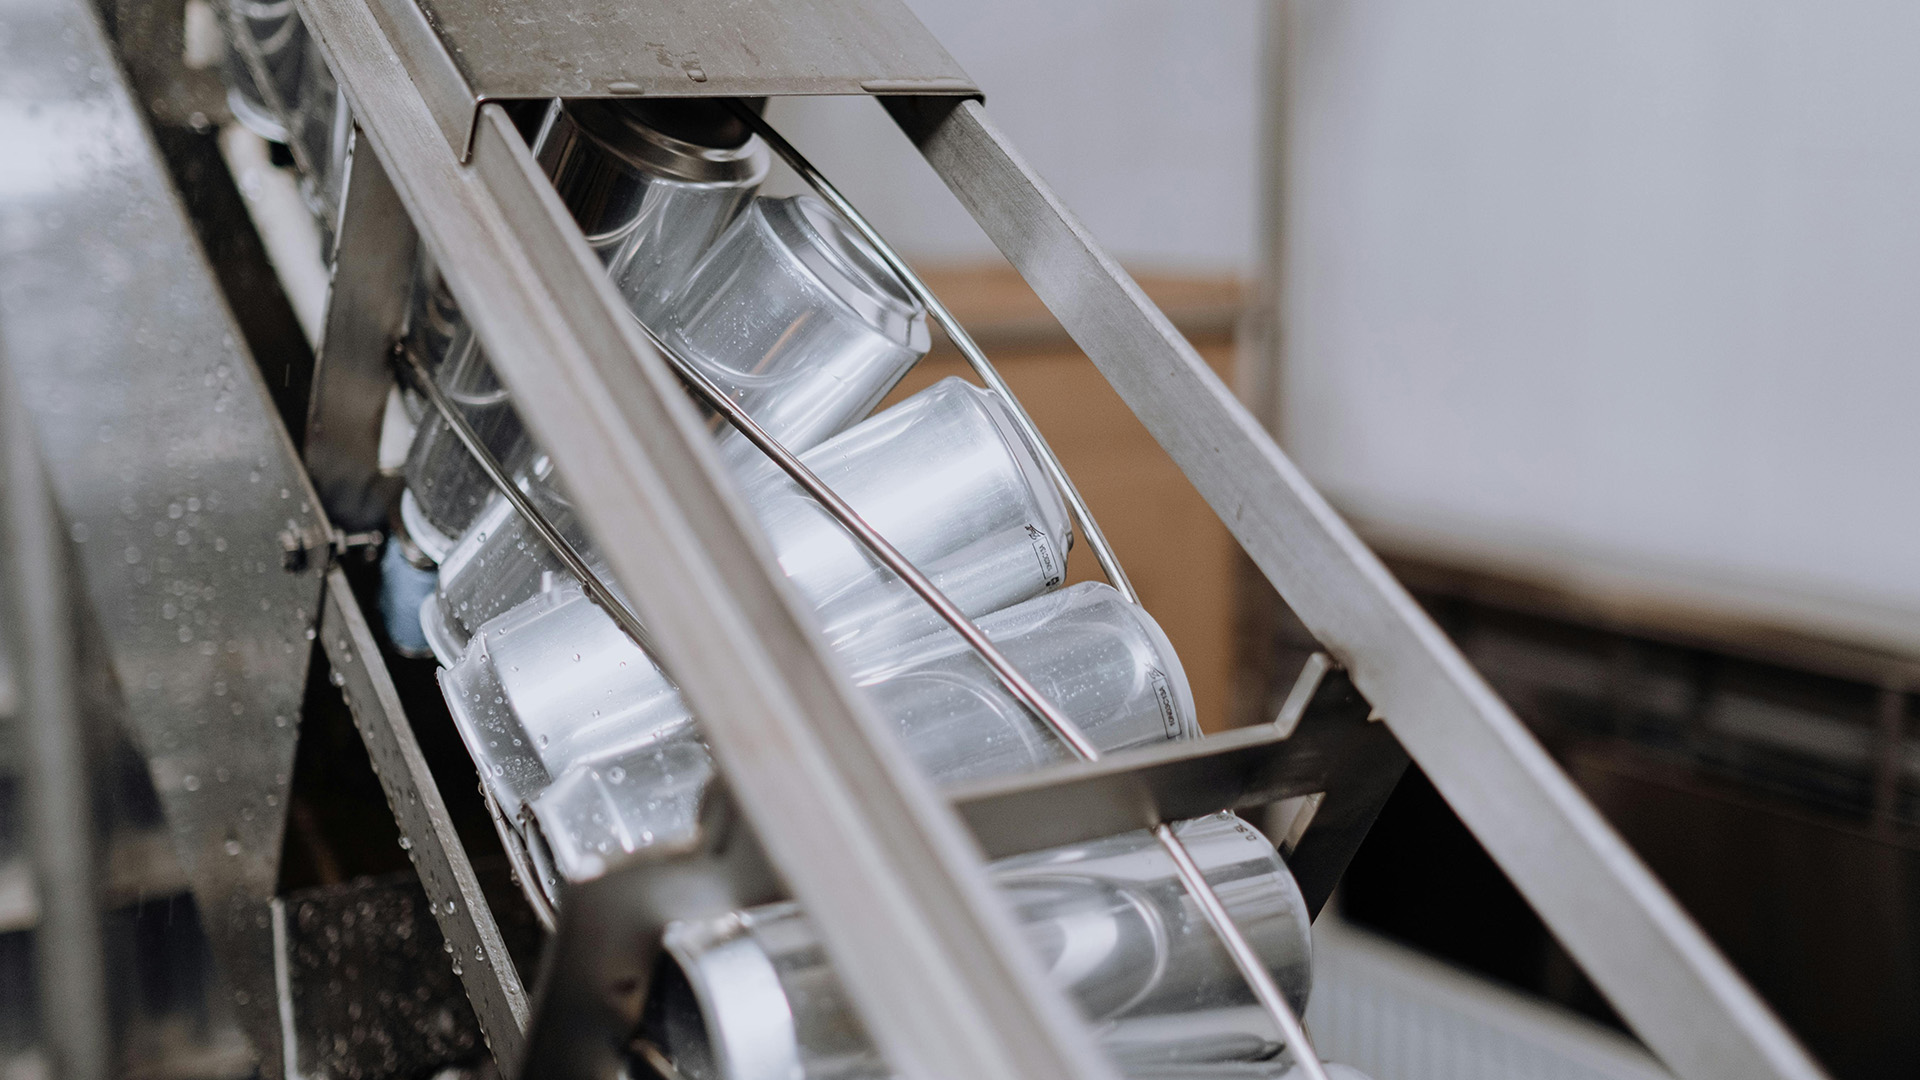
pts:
pixel 652 185
pixel 1102 660
pixel 564 715
pixel 944 476
pixel 1108 920
pixel 273 33
pixel 798 321
pixel 645 198
pixel 948 481
pixel 297 104
pixel 446 488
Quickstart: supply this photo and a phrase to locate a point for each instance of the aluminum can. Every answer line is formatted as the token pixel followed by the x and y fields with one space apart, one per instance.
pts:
pixel 306 110
pixel 551 684
pixel 750 995
pixel 651 184
pixel 945 476
pixel 1102 660
pixel 795 317
pixel 500 562
pixel 948 479
pixel 609 761
pixel 446 489
pixel 273 31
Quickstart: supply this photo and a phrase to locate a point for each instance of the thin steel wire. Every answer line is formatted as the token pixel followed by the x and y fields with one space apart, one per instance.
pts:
pixel 597 590
pixel 976 359
pixel 1245 958
pixel 882 549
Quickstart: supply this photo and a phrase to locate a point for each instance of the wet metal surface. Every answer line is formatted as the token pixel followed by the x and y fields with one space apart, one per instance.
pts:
pixel 170 469
pixel 474 51
pixel 369 989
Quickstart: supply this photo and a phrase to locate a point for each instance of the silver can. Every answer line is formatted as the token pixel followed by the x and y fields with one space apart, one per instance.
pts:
pixel 604 761
pixel 1104 661
pixel 651 184
pixel 944 476
pixel 500 562
pixel 750 996
pixel 551 684
pixel 948 479
pixel 795 317
pixel 446 489
pixel 273 32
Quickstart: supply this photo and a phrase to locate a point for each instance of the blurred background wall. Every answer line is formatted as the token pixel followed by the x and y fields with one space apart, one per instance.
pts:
pixel 1618 295
pixel 1595 320
pixel 1143 114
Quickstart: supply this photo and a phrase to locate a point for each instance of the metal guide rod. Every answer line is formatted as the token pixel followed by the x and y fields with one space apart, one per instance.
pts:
pixel 931 959
pixel 976 359
pixel 521 862
pixel 1244 957
pixel 1655 966
pixel 597 589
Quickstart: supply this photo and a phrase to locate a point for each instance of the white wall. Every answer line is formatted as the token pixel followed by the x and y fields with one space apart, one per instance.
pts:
pixel 1141 113
pixel 1625 292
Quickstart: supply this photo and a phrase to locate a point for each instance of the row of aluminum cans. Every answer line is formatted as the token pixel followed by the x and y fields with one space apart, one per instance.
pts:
pixel 590 751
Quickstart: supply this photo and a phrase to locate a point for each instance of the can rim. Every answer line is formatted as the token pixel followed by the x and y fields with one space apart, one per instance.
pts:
pixel 1047 499
pixel 743 1006
pixel 846 267
pixel 619 128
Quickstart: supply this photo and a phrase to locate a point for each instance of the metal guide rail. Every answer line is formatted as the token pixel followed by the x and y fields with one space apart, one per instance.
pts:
pixel 821 803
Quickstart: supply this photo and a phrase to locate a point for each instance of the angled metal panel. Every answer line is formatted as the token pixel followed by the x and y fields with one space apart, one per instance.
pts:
pixel 169 465
pixel 65 883
pixel 1656 967
pixel 469 52
pixel 476 948
pixel 352 376
pixel 1243 769
pixel 933 962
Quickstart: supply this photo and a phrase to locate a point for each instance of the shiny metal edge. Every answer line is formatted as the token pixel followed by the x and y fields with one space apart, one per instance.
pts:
pixel 470 52
pixel 1139 789
pixel 1656 967
pixel 177 482
pixel 933 962
pixel 367 289
pixel 70 969
pixel 486 970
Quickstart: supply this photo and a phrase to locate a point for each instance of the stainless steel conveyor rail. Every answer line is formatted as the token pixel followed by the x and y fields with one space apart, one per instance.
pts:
pixel 823 805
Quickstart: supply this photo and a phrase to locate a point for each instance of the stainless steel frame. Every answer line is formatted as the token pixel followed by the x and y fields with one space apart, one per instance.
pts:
pixel 465 53
pixel 72 976
pixel 824 805
pixel 174 478
pixel 899 895
pixel 1653 963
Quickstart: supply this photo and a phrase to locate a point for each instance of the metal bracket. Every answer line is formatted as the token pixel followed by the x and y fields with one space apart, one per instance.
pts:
pixel 478 950
pixel 1616 919
pixel 1139 789
pixel 465 53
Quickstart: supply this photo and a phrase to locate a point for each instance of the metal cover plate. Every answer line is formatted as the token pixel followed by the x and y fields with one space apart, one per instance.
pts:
pixel 169 466
pixel 488 50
